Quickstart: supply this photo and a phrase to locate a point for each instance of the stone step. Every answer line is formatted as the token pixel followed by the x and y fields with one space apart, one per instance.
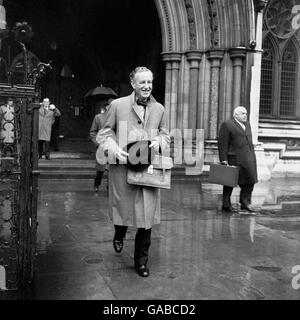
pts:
pixel 66 164
pixel 177 173
pixel 89 173
pixel 79 168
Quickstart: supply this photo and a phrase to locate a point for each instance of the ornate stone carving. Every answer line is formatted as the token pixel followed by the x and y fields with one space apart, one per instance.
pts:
pixel 214 26
pixel 169 29
pixel 171 56
pixel 192 24
pixel 193 55
pixel 237 53
pixel 278 18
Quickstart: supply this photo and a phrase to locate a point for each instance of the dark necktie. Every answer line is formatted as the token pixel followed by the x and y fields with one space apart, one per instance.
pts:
pixel 142 103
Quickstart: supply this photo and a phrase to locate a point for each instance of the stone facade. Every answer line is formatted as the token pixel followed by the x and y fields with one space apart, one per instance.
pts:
pixel 212 53
pixel 207 54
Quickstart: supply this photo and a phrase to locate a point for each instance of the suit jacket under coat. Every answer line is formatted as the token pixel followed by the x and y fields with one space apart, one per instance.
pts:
pixel 132 205
pixel 236 146
pixel 46 120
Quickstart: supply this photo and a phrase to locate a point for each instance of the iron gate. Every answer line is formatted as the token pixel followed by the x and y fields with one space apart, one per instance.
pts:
pixel 18 186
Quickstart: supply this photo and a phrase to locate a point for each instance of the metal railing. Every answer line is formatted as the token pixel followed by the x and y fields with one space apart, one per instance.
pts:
pixel 18 185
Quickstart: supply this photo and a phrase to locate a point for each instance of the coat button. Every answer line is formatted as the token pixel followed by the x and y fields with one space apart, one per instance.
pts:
pixel 139 121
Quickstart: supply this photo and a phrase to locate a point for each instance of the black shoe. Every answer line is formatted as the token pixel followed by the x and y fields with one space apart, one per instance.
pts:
pixel 228 209
pixel 118 245
pixel 40 157
pixel 48 157
pixel 248 208
pixel 142 270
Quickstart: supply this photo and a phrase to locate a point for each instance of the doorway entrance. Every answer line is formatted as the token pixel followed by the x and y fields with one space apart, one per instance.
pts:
pixel 90 43
pixel 93 43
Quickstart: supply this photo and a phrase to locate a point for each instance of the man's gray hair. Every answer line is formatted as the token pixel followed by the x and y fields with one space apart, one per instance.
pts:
pixel 136 70
pixel 238 110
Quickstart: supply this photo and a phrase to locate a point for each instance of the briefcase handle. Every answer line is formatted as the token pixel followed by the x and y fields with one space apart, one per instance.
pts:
pixel 224 163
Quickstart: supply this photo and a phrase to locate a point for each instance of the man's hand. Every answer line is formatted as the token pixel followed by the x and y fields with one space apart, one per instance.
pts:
pixel 52 107
pixel 224 163
pixel 155 146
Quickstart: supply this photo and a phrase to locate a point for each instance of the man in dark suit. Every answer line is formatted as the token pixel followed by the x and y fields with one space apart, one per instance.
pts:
pixel 236 148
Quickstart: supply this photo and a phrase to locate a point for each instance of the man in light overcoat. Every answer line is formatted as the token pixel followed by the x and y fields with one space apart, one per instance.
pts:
pixel 133 118
pixel 47 114
pixel 236 148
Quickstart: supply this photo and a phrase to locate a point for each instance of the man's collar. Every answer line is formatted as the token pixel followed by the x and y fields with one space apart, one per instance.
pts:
pixel 242 124
pixel 134 99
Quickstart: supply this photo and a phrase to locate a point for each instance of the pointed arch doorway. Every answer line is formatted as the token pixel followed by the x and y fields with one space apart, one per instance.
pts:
pixel 101 42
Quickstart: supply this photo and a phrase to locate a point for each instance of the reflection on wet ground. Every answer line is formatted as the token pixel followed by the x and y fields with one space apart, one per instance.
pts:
pixel 197 251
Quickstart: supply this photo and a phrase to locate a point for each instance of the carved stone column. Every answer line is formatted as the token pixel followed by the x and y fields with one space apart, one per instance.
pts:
pixel 215 56
pixel 237 56
pixel 172 60
pixel 194 58
pixel 256 70
pixel 263 171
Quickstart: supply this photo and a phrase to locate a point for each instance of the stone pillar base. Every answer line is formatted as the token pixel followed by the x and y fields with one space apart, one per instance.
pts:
pixel 263 171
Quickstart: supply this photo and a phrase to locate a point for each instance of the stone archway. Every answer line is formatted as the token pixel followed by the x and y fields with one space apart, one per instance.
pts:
pixel 184 40
pixel 17 68
pixel 205 52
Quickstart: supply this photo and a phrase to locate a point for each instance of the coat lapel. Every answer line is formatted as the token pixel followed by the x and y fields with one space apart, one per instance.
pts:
pixel 135 107
pixel 249 134
pixel 149 108
pixel 239 126
pixel 137 111
pixel 148 111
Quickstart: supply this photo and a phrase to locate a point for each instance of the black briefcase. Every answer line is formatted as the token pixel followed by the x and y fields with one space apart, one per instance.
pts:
pixel 223 174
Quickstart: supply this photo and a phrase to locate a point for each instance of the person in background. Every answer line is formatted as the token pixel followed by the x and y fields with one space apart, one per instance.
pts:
pixel 47 114
pixel 7 116
pixel 55 134
pixel 236 148
pixel 97 124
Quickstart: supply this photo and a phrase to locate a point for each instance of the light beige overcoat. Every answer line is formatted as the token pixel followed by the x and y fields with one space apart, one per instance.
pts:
pixel 46 120
pixel 132 205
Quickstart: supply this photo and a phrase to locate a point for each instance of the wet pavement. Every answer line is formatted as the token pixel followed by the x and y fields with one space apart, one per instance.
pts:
pixel 197 251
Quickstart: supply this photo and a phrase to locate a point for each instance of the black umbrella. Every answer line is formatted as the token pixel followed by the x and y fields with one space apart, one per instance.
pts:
pixel 101 92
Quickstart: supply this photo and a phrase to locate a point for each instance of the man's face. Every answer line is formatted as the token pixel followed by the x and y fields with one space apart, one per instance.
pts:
pixel 10 102
pixel 46 103
pixel 142 84
pixel 241 115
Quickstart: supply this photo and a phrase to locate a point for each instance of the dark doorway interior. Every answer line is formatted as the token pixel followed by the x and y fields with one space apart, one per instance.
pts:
pixel 91 43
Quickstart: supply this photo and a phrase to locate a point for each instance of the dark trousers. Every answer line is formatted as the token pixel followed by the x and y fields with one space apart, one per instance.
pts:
pixel 141 245
pixel 54 141
pixel 245 194
pixel 98 178
pixel 44 148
